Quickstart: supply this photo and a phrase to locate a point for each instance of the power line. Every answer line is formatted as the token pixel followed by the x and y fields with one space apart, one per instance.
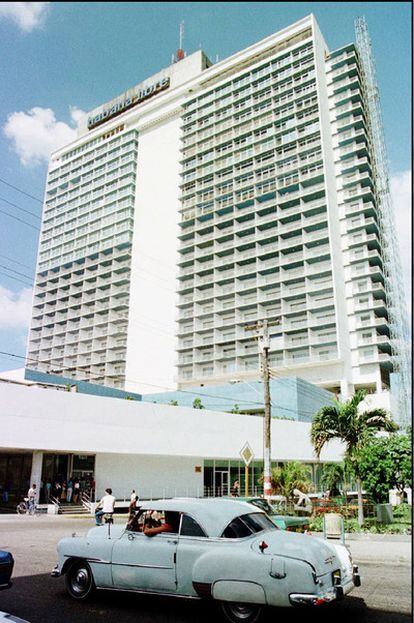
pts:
pixel 16 279
pixel 16 218
pixel 10 259
pixel 21 191
pixel 16 272
pixel 19 208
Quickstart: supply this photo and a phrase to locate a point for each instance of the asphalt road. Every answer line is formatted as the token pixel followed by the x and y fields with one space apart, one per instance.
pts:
pixel 384 597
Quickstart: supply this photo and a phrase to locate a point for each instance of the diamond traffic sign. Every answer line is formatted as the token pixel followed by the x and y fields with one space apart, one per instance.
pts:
pixel 246 454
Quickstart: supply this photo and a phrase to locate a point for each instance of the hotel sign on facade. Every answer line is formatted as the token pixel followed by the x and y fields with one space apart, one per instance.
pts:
pixel 128 102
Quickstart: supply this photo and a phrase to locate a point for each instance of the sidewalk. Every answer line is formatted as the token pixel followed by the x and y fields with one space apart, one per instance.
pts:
pixel 389 549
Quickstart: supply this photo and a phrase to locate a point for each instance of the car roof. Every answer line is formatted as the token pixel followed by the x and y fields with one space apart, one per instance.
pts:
pixel 213 514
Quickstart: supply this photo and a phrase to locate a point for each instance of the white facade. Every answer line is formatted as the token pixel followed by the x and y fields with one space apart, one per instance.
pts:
pixel 246 187
pixel 155 448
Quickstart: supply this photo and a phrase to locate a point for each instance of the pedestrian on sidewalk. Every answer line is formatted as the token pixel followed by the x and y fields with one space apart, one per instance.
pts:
pixel 32 493
pixel 69 491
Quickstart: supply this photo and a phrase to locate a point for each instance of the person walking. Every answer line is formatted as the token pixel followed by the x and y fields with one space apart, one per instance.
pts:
pixel 76 491
pixel 235 491
pixel 134 496
pixel 69 491
pixel 31 504
pixel 106 504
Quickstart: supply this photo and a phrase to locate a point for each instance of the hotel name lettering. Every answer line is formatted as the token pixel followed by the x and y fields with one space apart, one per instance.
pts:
pixel 129 102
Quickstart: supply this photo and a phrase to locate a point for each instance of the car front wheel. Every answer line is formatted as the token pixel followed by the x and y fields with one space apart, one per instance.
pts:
pixel 241 613
pixel 79 580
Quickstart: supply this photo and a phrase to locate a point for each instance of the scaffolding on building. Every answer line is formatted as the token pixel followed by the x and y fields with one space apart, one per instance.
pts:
pixel 394 288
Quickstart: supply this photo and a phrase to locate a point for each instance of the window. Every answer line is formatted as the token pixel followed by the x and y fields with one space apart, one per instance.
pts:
pixel 244 526
pixel 189 527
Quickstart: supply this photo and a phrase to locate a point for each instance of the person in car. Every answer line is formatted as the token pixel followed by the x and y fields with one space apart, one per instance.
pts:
pixel 170 524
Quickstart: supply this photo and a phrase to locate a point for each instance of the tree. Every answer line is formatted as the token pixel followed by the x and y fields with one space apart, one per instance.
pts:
pixel 197 404
pixel 386 463
pixel 344 421
pixel 333 474
pixel 292 475
pixel 173 403
pixel 235 409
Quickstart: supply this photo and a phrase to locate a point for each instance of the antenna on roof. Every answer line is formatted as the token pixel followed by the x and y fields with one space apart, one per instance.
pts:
pixel 181 35
pixel 180 52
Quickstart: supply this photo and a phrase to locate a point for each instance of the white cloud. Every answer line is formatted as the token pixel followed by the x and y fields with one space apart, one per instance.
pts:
pixel 36 133
pixel 27 15
pixel 15 308
pixel 401 195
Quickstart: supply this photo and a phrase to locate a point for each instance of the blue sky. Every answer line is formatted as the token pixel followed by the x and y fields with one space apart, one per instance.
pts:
pixel 59 58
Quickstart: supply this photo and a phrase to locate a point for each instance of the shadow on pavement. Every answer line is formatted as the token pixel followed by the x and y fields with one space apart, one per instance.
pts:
pixel 42 599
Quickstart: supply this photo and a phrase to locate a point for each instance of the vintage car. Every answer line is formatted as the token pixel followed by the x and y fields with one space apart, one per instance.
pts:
pixel 284 522
pixel 218 549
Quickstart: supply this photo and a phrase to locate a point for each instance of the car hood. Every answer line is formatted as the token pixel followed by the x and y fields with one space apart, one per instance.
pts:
pixel 313 550
pixel 102 532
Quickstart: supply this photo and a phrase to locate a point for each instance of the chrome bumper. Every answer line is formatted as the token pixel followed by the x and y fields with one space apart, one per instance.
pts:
pixel 55 573
pixel 336 593
pixel 307 599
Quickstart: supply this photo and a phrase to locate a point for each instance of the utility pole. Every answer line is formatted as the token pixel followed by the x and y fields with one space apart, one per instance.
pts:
pixel 262 330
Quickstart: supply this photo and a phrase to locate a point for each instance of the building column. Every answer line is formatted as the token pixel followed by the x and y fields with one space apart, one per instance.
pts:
pixel 36 473
pixel 347 390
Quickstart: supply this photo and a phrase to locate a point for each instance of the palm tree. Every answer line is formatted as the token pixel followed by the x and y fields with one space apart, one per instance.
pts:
pixel 343 421
pixel 292 475
pixel 332 476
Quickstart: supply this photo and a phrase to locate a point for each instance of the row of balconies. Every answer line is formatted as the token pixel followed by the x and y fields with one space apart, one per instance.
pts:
pixel 86 271
pixel 258 122
pixel 245 365
pixel 241 226
pixel 83 178
pixel 70 257
pixel 59 319
pixel 206 107
pixel 234 132
pixel 75 296
pixel 91 267
pixel 261 263
pixel 241 350
pixel 195 157
pixel 256 281
pixel 231 112
pixel 237 328
pixel 252 187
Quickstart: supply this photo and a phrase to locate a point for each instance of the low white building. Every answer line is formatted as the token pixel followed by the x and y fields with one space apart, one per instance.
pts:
pixel 158 450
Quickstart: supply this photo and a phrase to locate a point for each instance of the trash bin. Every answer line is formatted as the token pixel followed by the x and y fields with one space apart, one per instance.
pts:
pixel 384 513
pixel 333 526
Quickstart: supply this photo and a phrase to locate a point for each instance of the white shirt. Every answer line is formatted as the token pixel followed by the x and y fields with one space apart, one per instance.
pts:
pixel 32 493
pixel 107 503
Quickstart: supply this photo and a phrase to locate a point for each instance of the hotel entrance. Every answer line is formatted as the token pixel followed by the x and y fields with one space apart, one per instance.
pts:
pixel 219 477
pixel 62 467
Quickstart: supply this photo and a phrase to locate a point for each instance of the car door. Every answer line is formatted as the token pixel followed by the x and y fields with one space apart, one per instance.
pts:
pixel 145 563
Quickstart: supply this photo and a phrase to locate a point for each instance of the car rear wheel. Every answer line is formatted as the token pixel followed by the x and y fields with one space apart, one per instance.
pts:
pixel 241 613
pixel 79 580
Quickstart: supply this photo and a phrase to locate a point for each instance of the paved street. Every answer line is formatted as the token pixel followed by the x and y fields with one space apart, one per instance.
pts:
pixel 384 597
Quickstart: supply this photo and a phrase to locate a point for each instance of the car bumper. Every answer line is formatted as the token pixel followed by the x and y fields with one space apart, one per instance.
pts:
pixel 335 594
pixel 56 572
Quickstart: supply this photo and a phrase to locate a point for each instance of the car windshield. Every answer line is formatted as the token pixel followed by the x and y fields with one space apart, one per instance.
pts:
pixel 246 525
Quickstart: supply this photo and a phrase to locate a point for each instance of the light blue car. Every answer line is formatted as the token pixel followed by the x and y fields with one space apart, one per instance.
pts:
pixel 217 549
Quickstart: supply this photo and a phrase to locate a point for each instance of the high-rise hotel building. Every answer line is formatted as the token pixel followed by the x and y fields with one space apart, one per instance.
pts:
pixel 209 197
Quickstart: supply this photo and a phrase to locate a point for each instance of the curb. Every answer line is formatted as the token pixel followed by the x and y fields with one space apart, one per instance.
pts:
pixel 391 563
